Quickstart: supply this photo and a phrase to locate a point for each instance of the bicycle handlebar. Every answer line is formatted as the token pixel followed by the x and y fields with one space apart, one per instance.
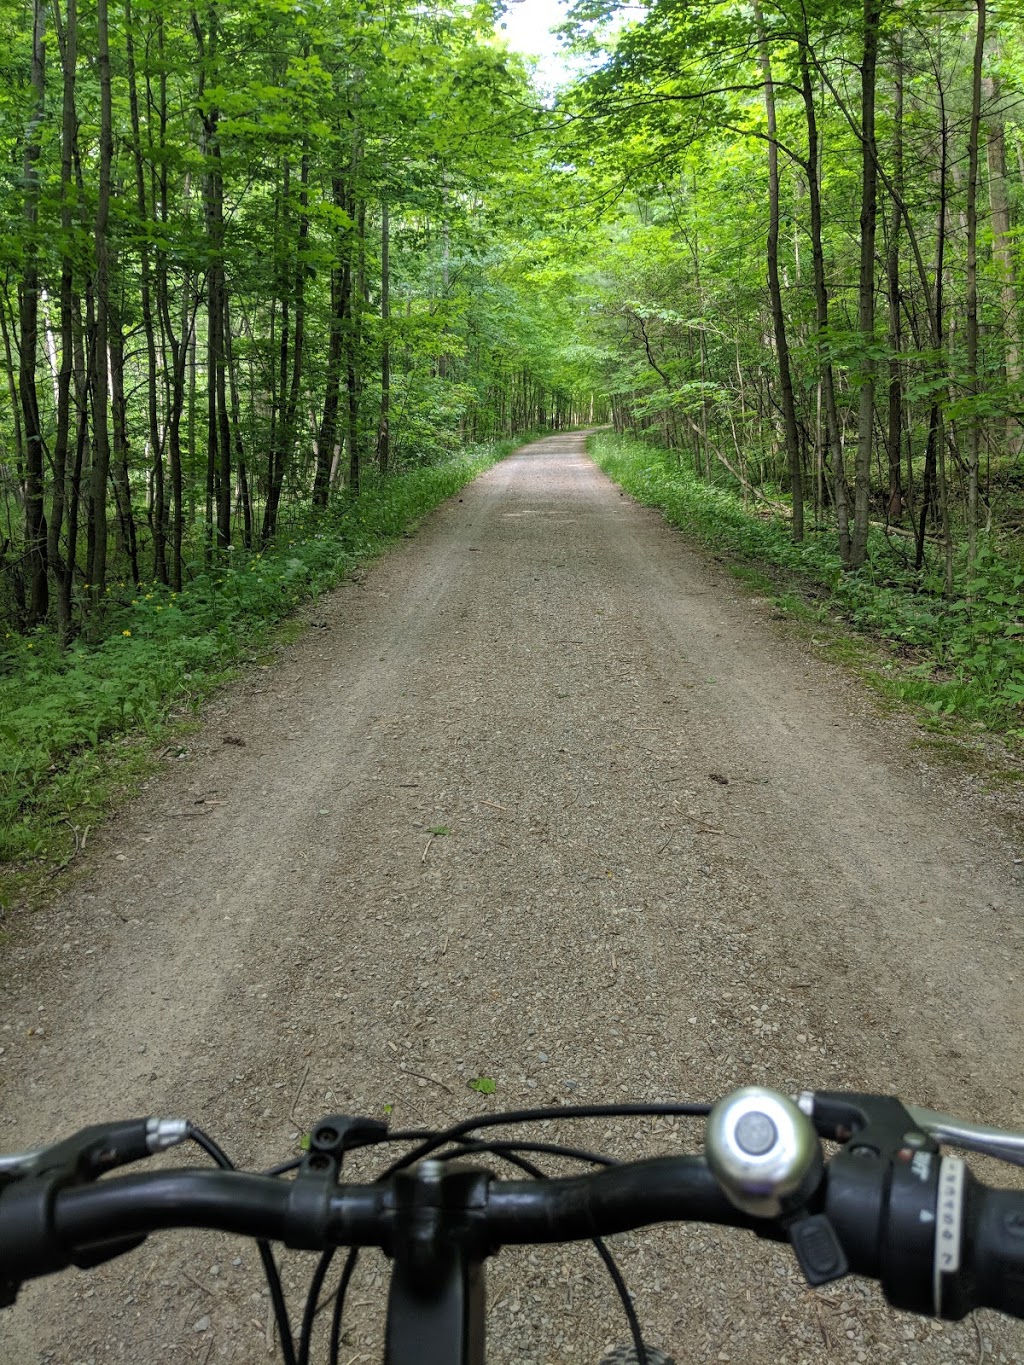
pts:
pixel 85 1220
pixel 888 1205
pixel 512 1212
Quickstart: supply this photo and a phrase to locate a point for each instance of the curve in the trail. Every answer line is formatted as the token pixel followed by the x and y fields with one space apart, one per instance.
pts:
pixel 541 798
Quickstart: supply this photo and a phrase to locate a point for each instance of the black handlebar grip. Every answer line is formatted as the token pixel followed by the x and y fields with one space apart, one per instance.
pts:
pixel 995 1268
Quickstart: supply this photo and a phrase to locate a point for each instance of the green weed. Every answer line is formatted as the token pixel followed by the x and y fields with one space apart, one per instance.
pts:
pixel 799 608
pixel 753 578
pixel 946 750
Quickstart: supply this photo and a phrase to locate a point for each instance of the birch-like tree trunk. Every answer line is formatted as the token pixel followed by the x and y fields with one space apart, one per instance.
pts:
pixel 28 337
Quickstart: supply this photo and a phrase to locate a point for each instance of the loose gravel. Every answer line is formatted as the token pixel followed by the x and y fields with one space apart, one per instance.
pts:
pixel 543 798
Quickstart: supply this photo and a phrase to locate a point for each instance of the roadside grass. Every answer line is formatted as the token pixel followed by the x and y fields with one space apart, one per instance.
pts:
pixel 959 663
pixel 81 728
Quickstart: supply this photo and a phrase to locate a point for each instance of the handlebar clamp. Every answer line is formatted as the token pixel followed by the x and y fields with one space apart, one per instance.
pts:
pixel 307 1216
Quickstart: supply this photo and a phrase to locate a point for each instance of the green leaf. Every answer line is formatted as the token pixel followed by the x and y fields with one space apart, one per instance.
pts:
pixel 483 1085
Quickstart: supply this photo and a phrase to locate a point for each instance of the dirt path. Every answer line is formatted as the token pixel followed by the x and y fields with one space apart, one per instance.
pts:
pixel 683 853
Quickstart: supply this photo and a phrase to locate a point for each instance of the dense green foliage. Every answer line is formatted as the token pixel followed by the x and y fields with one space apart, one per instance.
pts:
pixel 248 254
pixel 734 312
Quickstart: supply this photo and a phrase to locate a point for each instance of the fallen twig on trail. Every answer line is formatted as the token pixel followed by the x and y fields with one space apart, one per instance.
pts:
pixel 298 1094
pixel 408 1071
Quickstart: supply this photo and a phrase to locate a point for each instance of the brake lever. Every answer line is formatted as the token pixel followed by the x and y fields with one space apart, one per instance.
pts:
pixel 13 1165
pixel 29 1182
pixel 93 1151
pixel 1000 1143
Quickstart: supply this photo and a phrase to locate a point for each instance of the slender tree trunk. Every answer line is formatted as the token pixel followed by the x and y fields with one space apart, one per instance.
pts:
pixel 63 569
pixel 974 424
pixel 892 279
pixel 278 436
pixel 866 290
pixel 28 298
pixel 442 359
pixel 840 491
pixel 218 441
pixel 212 428
pixel 244 491
pixel 120 478
pixel 178 345
pixel 1002 243
pixel 156 453
pixel 299 289
pixel 384 429
pixel 100 373
pixel 353 340
pixel 328 433
pixel 792 437
pixel 935 459
pixel 81 383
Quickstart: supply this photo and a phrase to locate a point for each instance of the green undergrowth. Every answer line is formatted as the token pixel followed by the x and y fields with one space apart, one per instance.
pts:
pixel 958 660
pixel 79 726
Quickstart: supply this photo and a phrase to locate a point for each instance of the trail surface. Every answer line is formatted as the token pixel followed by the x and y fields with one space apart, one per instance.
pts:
pixel 683 853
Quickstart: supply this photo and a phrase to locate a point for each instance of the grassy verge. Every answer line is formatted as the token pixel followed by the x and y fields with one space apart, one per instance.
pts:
pixel 955 660
pixel 80 727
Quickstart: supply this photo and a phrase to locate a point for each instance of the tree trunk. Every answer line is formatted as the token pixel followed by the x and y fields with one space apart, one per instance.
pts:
pixel 155 441
pixel 120 478
pixel 63 569
pixel 775 288
pixel 244 491
pixel 328 433
pixel 292 407
pixel 974 422
pixel 100 375
pixel 866 291
pixel 384 429
pixel 840 491
pixel 892 280
pixel 279 398
pixel 1002 246
pixel 352 347
pixel 28 339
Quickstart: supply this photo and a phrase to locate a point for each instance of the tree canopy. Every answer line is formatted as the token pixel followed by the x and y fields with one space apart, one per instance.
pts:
pixel 253 255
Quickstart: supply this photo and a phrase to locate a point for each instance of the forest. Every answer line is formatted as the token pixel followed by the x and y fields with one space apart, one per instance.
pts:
pixel 263 265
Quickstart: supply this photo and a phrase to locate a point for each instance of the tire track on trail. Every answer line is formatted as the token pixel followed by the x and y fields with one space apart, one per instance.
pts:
pixel 682 853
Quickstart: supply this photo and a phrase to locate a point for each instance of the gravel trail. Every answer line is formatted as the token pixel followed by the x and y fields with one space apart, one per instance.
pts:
pixel 681 853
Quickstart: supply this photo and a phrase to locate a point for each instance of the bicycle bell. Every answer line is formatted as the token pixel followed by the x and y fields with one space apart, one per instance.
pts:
pixel 763 1151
